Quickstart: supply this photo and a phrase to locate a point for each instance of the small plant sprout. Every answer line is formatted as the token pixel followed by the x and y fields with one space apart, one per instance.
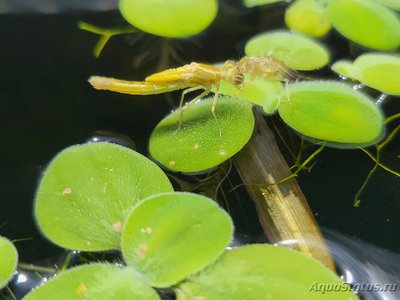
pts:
pixel 8 261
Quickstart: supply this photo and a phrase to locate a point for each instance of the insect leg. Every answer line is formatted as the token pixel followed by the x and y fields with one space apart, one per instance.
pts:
pixel 183 108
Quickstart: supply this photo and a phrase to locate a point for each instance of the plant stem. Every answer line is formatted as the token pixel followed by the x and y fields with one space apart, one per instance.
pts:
pixel 282 209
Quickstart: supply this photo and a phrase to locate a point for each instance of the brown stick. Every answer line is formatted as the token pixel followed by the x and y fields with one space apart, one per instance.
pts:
pixel 283 209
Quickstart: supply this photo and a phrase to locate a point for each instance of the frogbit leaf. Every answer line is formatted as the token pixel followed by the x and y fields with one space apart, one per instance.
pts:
pixel 8 261
pixel 202 142
pixel 171 235
pixel 259 271
pixel 95 281
pixel 88 190
pixel 344 68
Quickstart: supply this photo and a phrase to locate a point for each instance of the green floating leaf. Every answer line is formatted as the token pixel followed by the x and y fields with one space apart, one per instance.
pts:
pixel 257 272
pixel 202 143
pixel 344 68
pixel 95 281
pixel 379 71
pixel 296 51
pixel 333 112
pixel 308 17
pixel 88 190
pixel 173 18
pixel 252 3
pixel 8 261
pixel 171 235
pixel 394 4
pixel 366 23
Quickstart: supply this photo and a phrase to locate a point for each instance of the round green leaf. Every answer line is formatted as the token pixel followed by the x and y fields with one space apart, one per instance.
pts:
pixel 8 261
pixel 308 17
pixel 95 281
pixel 366 22
pixel 344 68
pixel 296 51
pixel 202 142
pixel 333 112
pixel 171 235
pixel 257 272
pixel 252 3
pixel 88 190
pixel 379 71
pixel 173 18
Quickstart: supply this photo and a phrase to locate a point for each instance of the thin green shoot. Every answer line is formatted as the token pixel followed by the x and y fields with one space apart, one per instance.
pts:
pixel 105 34
pixel 301 167
pixel 377 159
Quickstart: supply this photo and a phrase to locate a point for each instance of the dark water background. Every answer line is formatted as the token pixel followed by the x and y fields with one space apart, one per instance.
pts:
pixel 46 105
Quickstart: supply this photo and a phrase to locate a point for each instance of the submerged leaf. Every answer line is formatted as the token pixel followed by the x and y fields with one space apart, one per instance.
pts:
pixel 171 235
pixel 257 272
pixel 366 22
pixel 332 112
pixel 173 18
pixel 296 51
pixel 88 190
pixel 95 281
pixel 202 142
pixel 8 261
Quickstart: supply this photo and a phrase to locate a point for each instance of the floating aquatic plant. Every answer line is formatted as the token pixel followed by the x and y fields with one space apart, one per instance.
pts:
pixel 380 71
pixel 333 112
pixel 296 51
pixel 308 17
pixel 366 22
pixel 202 142
pixel 160 234
pixel 263 272
pixel 8 261
pixel 87 192
pixel 174 18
